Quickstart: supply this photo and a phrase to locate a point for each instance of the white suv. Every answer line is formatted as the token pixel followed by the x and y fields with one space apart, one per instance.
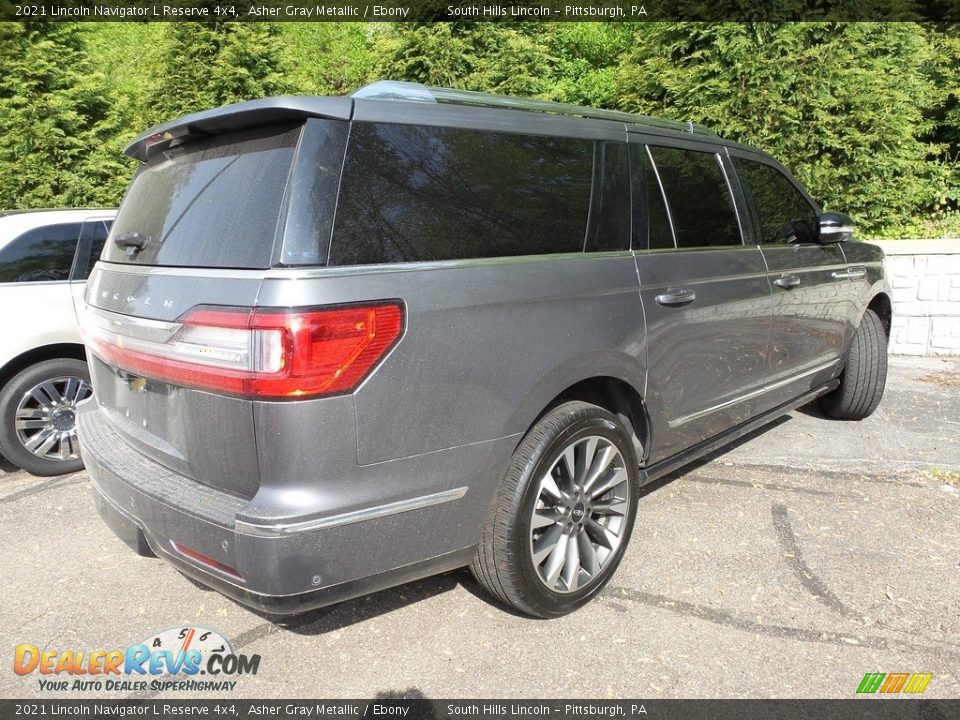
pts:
pixel 45 258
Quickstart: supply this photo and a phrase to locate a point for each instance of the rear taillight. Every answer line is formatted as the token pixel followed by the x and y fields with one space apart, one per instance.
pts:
pixel 264 353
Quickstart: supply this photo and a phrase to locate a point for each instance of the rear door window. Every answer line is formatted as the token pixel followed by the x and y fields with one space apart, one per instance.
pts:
pixel 651 224
pixel 783 214
pixel 210 203
pixel 698 197
pixel 40 255
pixel 610 208
pixel 412 193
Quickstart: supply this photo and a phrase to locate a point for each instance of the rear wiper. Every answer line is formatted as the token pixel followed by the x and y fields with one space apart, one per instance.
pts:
pixel 132 242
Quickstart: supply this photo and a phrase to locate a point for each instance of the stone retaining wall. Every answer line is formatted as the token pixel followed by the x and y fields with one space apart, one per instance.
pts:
pixel 925 277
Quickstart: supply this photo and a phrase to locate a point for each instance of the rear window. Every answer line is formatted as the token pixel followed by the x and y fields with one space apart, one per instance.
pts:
pixel 413 193
pixel 211 203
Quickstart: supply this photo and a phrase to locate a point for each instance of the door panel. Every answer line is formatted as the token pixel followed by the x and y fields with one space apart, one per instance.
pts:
pixel 809 318
pixel 808 280
pixel 707 304
pixel 708 357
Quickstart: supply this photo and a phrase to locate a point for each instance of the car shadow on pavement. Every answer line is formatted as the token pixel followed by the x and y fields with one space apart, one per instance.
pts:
pixel 350 612
pixel 6 466
pixel 710 457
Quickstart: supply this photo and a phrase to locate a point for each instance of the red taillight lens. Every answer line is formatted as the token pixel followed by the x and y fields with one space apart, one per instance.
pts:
pixel 265 353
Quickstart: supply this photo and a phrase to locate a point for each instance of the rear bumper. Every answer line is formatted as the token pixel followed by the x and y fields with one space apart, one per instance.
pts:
pixel 129 530
pixel 276 566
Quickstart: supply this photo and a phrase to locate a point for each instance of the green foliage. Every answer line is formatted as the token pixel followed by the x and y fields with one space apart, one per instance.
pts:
pixel 327 58
pixel 56 123
pixel 866 114
pixel 568 62
pixel 203 65
pixel 841 104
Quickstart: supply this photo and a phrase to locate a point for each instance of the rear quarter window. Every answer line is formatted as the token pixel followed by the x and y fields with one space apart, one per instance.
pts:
pixel 211 203
pixel 42 254
pixel 412 193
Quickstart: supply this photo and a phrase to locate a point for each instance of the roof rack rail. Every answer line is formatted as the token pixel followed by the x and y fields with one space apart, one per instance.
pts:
pixel 415 92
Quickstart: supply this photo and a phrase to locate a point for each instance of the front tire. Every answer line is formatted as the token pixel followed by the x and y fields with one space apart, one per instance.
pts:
pixel 564 513
pixel 38 413
pixel 864 375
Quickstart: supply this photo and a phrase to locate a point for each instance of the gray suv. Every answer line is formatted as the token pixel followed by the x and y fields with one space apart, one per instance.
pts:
pixel 342 343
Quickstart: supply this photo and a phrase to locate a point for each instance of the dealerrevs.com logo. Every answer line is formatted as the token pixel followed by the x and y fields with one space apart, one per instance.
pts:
pixel 187 658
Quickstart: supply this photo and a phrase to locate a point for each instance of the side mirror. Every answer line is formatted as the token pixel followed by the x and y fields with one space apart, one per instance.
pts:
pixel 834 227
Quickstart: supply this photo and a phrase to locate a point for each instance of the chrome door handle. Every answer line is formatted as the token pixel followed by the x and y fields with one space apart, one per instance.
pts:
pixel 849 274
pixel 787 281
pixel 676 296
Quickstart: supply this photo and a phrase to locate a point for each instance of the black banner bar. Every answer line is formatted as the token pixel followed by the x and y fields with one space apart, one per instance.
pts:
pixel 423 709
pixel 493 11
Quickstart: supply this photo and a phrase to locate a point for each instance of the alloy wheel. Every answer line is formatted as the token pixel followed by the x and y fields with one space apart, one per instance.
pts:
pixel 46 417
pixel 580 514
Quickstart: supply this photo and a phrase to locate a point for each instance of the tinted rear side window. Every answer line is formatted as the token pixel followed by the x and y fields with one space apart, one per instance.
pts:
pixel 42 254
pixel 413 193
pixel 651 225
pixel 211 203
pixel 783 214
pixel 610 209
pixel 698 197
pixel 100 232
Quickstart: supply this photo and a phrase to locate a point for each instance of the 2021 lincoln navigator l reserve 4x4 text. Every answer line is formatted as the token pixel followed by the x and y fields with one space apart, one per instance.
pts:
pixel 340 343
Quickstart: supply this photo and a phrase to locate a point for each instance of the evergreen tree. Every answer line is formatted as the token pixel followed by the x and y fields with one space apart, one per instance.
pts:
pixel 204 65
pixel 328 58
pixel 57 122
pixel 842 105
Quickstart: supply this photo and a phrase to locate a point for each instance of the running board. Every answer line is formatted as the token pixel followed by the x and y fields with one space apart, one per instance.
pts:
pixel 668 465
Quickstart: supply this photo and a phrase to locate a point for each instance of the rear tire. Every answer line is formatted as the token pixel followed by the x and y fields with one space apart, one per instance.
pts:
pixel 38 416
pixel 864 375
pixel 564 513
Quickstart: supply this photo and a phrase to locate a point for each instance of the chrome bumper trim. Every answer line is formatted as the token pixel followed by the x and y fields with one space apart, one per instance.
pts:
pixel 348 518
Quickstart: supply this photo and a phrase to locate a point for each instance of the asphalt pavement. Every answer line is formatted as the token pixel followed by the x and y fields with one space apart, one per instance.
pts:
pixel 789 565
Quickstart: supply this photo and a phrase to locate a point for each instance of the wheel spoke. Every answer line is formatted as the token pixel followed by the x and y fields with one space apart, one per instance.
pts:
pixel 549 486
pixel 29 413
pixel 618 476
pixel 42 441
pixel 546 544
pixel 556 560
pixel 610 507
pixel 32 424
pixel 51 390
pixel 36 440
pixel 588 554
pixel 599 534
pixel 584 460
pixel 72 389
pixel 40 397
pixel 69 444
pixel 568 469
pixel 545 517
pixel 62 452
pixel 571 565
pixel 600 463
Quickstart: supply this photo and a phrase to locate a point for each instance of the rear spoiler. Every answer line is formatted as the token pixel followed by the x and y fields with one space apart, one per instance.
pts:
pixel 239 116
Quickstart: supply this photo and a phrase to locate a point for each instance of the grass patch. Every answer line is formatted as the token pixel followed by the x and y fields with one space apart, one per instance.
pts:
pixel 948 477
